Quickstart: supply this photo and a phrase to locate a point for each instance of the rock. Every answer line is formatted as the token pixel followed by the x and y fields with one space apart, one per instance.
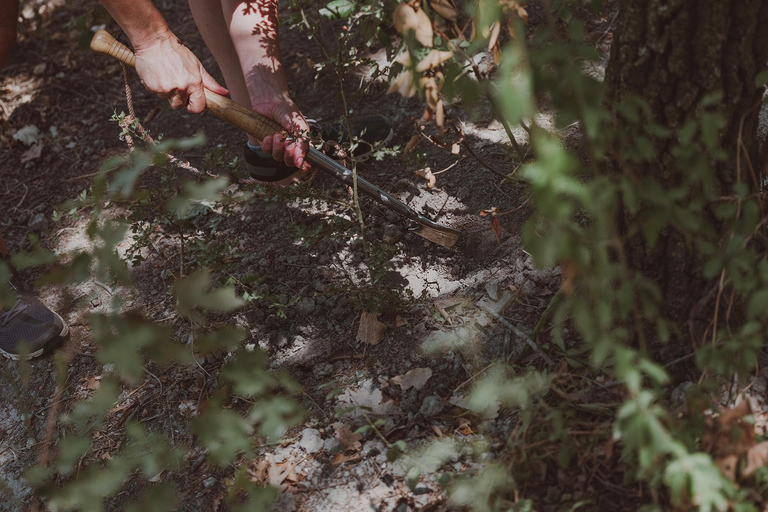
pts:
pixel 392 234
pixel 208 482
pixel 492 289
pixel 37 223
pixel 306 306
pixel 331 445
pixel 311 441
pixel 432 406
pixel 372 447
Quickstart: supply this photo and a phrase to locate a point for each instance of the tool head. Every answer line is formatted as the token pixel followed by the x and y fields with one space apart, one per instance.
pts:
pixel 444 236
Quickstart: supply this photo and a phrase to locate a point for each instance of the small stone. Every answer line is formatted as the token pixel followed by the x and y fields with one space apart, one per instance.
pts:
pixel 37 223
pixel 282 340
pixel 492 289
pixel 432 406
pixel 306 306
pixel 311 441
pixel 208 482
pixel 392 234
pixel 331 445
pixel 372 447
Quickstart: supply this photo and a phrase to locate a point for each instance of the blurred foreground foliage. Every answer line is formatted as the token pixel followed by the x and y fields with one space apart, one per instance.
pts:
pixel 605 326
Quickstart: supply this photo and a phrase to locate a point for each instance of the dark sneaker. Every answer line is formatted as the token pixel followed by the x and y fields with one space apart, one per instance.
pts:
pixel 29 321
pixel 370 131
pixel 264 169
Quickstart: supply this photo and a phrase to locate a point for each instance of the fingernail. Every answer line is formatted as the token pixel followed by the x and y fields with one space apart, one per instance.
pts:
pixel 299 162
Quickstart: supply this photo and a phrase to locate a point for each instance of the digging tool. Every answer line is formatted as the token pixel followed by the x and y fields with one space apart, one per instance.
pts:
pixel 253 124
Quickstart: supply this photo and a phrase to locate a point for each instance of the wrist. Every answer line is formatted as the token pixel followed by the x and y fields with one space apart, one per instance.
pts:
pixel 144 38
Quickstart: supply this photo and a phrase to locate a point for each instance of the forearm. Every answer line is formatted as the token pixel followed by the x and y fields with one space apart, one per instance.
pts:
pixel 9 13
pixel 253 29
pixel 140 20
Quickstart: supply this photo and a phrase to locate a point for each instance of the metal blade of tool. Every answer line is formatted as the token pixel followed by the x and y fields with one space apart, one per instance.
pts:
pixel 258 126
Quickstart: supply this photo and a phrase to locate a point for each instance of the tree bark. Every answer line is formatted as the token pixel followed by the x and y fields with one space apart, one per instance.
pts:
pixel 672 54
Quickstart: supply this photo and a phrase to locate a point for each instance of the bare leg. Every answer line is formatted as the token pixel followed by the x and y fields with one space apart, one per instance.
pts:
pixel 212 26
pixel 242 35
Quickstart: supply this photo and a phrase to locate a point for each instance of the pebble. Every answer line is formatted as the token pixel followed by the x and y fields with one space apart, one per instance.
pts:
pixel 311 441
pixel 331 445
pixel 37 223
pixel 208 482
pixel 392 234
pixel 492 289
pixel 371 446
pixel 432 406
pixel 306 306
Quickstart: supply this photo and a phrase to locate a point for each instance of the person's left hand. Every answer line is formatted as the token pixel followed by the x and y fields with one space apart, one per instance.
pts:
pixel 293 151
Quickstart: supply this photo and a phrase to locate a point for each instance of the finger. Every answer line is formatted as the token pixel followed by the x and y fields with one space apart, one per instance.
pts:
pixel 211 84
pixel 176 102
pixel 196 102
pixel 165 95
pixel 278 148
pixel 289 156
pixel 266 144
pixel 305 166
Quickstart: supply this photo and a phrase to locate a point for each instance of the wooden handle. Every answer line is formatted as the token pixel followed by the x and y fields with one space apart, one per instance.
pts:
pixel 244 118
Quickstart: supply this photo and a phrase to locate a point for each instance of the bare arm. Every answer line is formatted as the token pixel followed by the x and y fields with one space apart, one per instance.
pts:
pixel 164 65
pixel 253 27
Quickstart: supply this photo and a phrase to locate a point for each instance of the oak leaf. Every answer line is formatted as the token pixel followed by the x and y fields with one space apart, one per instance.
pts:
pixel 371 331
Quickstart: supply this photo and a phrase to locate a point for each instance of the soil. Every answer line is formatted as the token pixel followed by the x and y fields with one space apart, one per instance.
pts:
pixel 55 83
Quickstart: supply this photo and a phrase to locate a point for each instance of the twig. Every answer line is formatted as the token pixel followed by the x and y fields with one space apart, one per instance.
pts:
pixel 473 377
pixel 519 333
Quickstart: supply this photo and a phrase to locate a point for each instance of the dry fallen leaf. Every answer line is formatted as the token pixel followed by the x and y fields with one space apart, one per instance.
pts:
pixel 416 379
pixel 347 439
pixel 371 331
pixel 757 457
pixel 411 144
pixel 445 8
pixel 408 19
pixel 433 60
pixel 494 35
pixel 341 458
pixel 32 153
pixel 496 225
pixel 92 384
pixel 400 321
pixel 426 173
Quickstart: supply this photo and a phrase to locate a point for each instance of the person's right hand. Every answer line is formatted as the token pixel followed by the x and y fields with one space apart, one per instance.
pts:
pixel 171 70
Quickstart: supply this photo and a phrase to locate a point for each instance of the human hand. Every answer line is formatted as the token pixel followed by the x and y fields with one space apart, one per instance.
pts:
pixel 171 70
pixel 294 150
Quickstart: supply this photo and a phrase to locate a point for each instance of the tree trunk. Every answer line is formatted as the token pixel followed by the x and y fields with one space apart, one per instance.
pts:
pixel 672 54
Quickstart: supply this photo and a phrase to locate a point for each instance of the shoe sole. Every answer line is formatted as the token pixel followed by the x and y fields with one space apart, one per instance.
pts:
pixel 300 177
pixel 46 347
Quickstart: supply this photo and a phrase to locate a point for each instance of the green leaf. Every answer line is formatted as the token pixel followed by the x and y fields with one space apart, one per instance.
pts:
pixel 248 373
pixel 412 478
pixel 761 79
pixel 192 292
pixel 338 9
pixel 223 432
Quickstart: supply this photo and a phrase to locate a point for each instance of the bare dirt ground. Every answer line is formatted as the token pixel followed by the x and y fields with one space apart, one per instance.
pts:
pixel 55 84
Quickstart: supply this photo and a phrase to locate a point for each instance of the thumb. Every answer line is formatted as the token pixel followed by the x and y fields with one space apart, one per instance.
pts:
pixel 211 84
